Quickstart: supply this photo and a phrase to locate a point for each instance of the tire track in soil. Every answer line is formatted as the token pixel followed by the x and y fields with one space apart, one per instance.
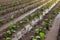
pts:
pixel 52 34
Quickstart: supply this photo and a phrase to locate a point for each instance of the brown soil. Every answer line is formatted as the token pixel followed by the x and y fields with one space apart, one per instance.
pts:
pixel 4 1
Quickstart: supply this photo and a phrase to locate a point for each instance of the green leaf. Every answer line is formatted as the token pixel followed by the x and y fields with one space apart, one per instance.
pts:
pixel 8 32
pixel 36 30
pixel 32 16
pixel 8 38
pixel 34 39
pixel 24 20
pixel 12 17
pixel 13 30
pixel 44 23
pixel 42 35
pixel 11 24
pixel 37 36
pixel 1 20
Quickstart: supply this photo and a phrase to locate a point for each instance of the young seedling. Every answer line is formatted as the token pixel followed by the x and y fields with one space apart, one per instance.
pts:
pixel 7 33
pixel 38 37
pixel 42 29
pixel 44 23
pixel 1 20
pixel 12 16
pixel 36 30
pixel 34 38
pixel 42 35
pixel 32 16
pixel 13 31
pixel 11 24
pixel 7 38
pixel 24 20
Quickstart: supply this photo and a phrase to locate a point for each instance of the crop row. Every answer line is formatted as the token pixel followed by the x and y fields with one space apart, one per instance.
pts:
pixel 29 33
pixel 16 7
pixel 14 3
pixel 44 25
pixel 16 14
pixel 19 18
pixel 12 26
pixel 23 8
pixel 22 21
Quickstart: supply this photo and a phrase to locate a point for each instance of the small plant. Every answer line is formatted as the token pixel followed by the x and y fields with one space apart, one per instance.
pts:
pixel 37 14
pixel 12 16
pixel 31 16
pixel 39 34
pixel 1 20
pixel 7 33
pixel 7 38
pixel 11 24
pixel 36 30
pixel 42 35
pixel 24 20
pixel 44 23
pixel 34 38
pixel 42 9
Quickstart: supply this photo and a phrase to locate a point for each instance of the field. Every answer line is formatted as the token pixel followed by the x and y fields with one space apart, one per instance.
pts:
pixel 29 20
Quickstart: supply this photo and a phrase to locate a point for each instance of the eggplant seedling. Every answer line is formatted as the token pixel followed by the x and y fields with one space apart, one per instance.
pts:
pixel 31 16
pixel 34 38
pixel 1 21
pixel 24 20
pixel 42 35
pixel 13 31
pixel 7 33
pixel 36 30
pixel 7 38
pixel 11 24
pixel 42 9
pixel 44 23
pixel 12 16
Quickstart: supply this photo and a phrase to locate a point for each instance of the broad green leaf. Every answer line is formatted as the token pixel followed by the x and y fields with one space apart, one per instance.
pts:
pixel 12 16
pixel 36 30
pixel 11 24
pixel 42 35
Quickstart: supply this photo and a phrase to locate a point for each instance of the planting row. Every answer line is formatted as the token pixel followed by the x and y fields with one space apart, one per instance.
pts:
pixel 30 33
pixel 24 9
pixel 39 31
pixel 13 15
pixel 12 28
pixel 26 20
pixel 4 26
pixel 28 13
pixel 23 22
pixel 14 3
pixel 45 24
pixel 16 7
